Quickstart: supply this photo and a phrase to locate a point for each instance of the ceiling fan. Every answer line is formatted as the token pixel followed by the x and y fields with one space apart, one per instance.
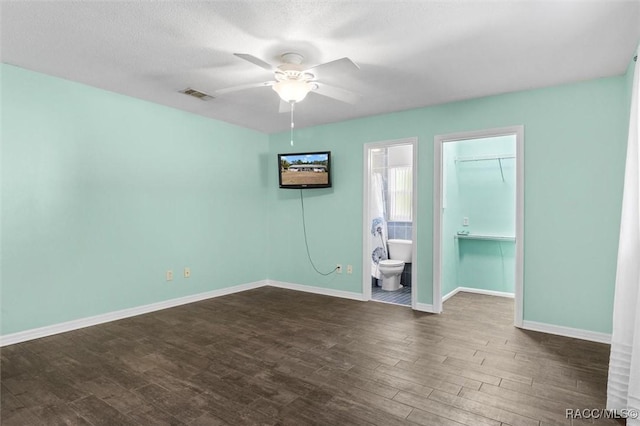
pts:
pixel 293 80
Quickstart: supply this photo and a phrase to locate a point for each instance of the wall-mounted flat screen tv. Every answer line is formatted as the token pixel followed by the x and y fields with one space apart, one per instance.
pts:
pixel 305 170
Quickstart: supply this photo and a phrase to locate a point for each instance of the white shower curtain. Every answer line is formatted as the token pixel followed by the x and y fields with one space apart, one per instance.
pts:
pixel 623 388
pixel 378 237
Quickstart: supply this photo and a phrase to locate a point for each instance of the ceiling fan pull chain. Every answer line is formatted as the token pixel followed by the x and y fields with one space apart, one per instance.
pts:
pixel 292 104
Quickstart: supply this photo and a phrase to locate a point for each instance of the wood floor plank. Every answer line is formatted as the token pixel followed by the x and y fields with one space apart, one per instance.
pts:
pixel 262 388
pixel 99 413
pixel 61 414
pixel 365 412
pixel 348 378
pixel 375 353
pixel 461 376
pixel 321 415
pixel 427 377
pixel 446 410
pixel 278 357
pixel 550 409
pixel 112 393
pixel 398 383
pixel 8 400
pixel 356 395
pixel 429 419
pixel 228 410
pixel 21 417
pixel 487 368
pixel 487 408
pixel 32 391
pixel 555 393
pixel 443 349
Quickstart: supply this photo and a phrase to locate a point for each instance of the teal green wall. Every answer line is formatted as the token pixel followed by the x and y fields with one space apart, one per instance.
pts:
pixel 575 139
pixel 102 193
pixel 628 82
pixel 479 191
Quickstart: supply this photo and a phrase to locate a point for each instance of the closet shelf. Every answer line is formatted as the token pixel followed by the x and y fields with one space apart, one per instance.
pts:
pixel 485 237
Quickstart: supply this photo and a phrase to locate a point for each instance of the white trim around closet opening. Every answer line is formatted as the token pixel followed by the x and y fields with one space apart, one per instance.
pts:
pixel 439 140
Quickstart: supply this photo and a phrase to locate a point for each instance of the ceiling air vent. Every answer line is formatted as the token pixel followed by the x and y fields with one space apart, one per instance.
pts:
pixel 196 94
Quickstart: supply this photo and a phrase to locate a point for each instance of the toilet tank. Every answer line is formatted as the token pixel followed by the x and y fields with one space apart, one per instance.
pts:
pixel 401 250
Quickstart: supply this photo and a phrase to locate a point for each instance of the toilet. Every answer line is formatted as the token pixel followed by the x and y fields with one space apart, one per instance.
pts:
pixel 400 252
pixel 391 271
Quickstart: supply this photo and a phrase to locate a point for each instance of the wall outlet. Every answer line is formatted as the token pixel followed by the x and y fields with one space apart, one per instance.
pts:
pixel 187 272
pixel 465 221
pixel 339 268
pixel 349 269
pixel 169 275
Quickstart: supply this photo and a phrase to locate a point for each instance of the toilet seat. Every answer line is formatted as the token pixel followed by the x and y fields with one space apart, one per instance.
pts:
pixel 391 262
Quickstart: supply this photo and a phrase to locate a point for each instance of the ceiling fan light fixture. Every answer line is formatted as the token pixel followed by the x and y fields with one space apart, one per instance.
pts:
pixel 292 91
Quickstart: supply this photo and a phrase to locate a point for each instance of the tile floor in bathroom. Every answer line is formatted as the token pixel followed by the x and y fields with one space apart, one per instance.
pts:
pixel 399 297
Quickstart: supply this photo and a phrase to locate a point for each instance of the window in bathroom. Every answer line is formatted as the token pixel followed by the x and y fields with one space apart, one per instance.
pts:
pixel 399 193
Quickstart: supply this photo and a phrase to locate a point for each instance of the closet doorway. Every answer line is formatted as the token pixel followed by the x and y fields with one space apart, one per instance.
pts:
pixel 479 215
pixel 389 218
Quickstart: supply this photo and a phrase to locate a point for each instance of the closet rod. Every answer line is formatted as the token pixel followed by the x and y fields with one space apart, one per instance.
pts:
pixel 485 158
pixel 498 157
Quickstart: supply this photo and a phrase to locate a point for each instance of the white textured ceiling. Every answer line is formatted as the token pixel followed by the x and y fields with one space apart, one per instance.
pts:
pixel 411 53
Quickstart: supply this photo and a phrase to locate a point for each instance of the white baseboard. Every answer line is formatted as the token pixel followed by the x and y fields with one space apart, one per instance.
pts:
pixel 559 330
pixel 450 294
pixel 317 290
pixel 424 307
pixel 36 333
pixel 539 326
pixel 477 291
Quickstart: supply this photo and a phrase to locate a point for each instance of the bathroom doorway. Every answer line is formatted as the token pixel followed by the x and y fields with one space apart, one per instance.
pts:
pixel 390 222
pixel 479 215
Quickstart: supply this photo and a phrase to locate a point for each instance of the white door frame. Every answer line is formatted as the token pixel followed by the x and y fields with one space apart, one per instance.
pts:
pixel 439 140
pixel 366 255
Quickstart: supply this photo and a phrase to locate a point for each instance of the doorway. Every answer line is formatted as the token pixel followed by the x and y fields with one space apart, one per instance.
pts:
pixel 479 215
pixel 390 221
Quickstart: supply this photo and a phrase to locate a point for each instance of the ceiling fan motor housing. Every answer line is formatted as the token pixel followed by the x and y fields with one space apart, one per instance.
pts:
pixel 292 58
pixel 292 69
pixel 293 80
pixel 285 73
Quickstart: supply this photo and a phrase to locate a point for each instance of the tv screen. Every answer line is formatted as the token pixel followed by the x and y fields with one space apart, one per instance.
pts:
pixel 305 170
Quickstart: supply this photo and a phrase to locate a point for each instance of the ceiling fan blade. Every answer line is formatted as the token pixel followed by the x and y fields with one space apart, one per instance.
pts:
pixel 337 66
pixel 284 106
pixel 256 61
pixel 336 93
pixel 244 86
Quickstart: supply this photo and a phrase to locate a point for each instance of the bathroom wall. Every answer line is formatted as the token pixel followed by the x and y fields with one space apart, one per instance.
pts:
pixel 102 193
pixel 481 192
pixel 575 139
pixel 400 230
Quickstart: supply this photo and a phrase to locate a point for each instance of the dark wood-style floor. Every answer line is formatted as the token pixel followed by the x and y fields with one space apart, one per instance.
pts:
pixel 272 356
